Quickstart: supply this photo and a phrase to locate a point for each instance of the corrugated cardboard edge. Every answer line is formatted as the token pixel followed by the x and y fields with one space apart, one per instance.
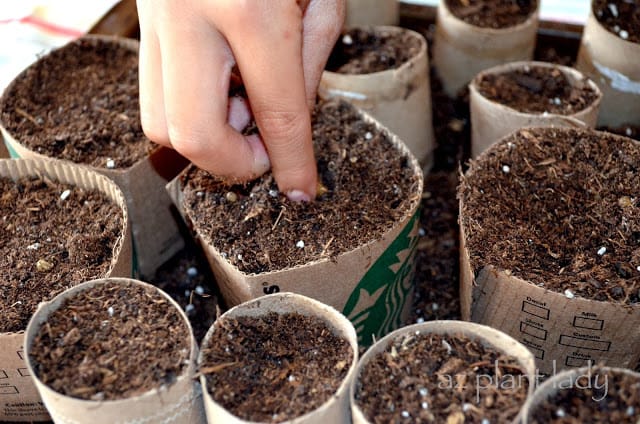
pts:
pixel 368 12
pixel 336 408
pixel 486 335
pixel 461 50
pixel 559 331
pixel 613 64
pixel 399 98
pixel 16 379
pixel 330 280
pixel 155 232
pixel 491 120
pixel 179 403
pixel 562 380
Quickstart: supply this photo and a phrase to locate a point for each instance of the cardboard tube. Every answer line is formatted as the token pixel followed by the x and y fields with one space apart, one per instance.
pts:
pixel 371 284
pixel 613 64
pixel 461 50
pixel 491 120
pixel 560 332
pixel 565 380
pixel 181 402
pixel 488 336
pixel 372 12
pixel 336 408
pixel 155 232
pixel 399 98
pixel 20 400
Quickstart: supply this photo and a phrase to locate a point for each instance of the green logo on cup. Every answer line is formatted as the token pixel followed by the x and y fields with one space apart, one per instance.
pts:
pixel 376 305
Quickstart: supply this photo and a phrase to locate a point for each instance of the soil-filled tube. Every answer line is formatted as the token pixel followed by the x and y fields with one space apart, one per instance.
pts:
pixel 612 62
pixel 547 224
pixel 491 120
pixel 516 364
pixel 370 279
pixel 462 50
pixel 399 98
pixel 105 318
pixel 22 402
pixel 371 12
pixel 290 376
pixel 592 393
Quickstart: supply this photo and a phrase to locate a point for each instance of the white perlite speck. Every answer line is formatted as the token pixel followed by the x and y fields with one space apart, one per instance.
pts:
pixel 65 194
pixel 614 9
pixel 199 290
pixel 300 244
pixel 623 34
pixel 569 294
pixel 506 169
pixel 189 308
pixel 557 101
pixel 602 251
pixel 347 40
pixel 631 411
pixel 405 414
pixel 424 405
pixel 111 163
pixel 192 271
pixel 368 136
pixel 273 193
pixel 485 421
pixel 423 391
pixel 110 311
pixel 560 413
pixel 36 246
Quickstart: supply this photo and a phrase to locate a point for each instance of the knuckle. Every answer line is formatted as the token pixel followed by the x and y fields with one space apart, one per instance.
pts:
pixel 189 143
pixel 153 129
pixel 280 124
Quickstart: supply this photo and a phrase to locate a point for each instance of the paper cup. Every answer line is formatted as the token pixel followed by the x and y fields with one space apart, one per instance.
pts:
pixel 372 12
pixel 461 50
pixel 573 380
pixel 490 120
pixel 336 408
pixel 561 331
pixel 613 64
pixel 181 402
pixel 155 232
pixel 399 98
pixel 19 400
pixel 486 335
pixel 372 284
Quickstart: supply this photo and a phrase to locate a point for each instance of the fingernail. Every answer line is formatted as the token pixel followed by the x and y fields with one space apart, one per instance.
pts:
pixel 261 163
pixel 298 196
pixel 239 114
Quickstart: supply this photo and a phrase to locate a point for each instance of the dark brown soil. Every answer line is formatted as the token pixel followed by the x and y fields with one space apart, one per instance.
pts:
pixel 602 397
pixel 536 89
pixel 621 17
pixel 187 278
pixel 492 13
pixel 79 103
pixel 275 367
pixel 369 185
pixel 435 378
pixel 112 341
pixel 48 244
pixel 360 51
pixel 559 208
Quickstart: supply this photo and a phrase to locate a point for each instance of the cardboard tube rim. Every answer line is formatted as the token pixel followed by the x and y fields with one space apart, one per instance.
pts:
pixel 574 76
pixel 175 190
pixel 303 305
pixel 386 29
pixel 70 173
pixel 550 387
pixel 445 14
pixel 485 334
pixel 41 316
